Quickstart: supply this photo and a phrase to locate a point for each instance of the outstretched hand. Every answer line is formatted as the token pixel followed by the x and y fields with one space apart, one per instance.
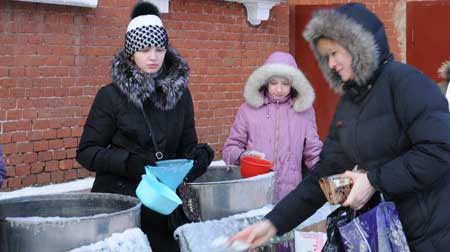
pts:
pixel 361 191
pixel 256 234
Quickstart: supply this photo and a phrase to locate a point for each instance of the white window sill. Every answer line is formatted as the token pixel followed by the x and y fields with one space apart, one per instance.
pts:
pixel 163 5
pixel 79 3
pixel 257 10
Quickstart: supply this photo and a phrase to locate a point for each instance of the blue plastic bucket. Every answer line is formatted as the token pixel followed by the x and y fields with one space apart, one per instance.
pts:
pixel 171 172
pixel 157 196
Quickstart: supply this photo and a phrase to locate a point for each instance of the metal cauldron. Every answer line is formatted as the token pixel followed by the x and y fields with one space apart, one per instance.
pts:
pixel 223 192
pixel 61 222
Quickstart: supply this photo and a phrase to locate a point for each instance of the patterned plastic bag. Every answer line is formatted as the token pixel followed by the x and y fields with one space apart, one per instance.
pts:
pixel 339 217
pixel 379 229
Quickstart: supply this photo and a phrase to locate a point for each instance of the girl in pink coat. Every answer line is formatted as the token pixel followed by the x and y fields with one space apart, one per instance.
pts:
pixel 277 121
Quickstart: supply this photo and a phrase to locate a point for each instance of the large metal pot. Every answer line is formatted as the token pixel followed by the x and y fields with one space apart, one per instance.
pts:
pixel 223 192
pixel 61 222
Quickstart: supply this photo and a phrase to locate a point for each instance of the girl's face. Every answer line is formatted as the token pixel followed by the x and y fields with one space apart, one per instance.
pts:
pixel 339 59
pixel 150 59
pixel 279 87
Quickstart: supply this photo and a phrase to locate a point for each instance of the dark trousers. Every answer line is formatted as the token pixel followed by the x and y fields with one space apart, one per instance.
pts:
pixel 155 226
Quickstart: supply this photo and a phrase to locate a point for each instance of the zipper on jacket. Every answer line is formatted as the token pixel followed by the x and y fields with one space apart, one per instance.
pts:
pixel 277 133
pixel 355 142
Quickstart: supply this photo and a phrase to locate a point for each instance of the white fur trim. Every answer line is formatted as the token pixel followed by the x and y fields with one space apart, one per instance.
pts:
pixel 261 75
pixel 144 20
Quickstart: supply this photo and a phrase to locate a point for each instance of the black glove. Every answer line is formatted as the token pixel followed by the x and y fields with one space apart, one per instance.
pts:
pixel 202 155
pixel 135 166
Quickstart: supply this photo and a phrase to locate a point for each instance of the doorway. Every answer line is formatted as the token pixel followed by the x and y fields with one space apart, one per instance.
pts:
pixel 428 35
pixel 326 99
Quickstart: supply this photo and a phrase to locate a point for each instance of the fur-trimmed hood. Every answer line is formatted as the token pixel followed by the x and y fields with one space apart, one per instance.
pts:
pixel 444 70
pixel 279 64
pixel 163 89
pixel 359 31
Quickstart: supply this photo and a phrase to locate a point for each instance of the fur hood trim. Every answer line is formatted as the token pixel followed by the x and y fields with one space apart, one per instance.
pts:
pixel 444 70
pixel 261 75
pixel 163 89
pixel 351 33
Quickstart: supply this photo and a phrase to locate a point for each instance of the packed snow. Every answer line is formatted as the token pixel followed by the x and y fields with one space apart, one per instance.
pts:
pixel 131 240
pixel 208 235
pixel 73 186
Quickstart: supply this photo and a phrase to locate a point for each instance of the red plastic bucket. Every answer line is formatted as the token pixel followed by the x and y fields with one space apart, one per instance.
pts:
pixel 253 166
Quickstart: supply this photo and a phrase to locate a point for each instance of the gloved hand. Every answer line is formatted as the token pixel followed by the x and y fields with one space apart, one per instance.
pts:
pixel 254 153
pixel 202 155
pixel 135 166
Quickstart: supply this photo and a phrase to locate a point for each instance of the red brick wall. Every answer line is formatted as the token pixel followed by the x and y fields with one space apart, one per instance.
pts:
pixel 54 58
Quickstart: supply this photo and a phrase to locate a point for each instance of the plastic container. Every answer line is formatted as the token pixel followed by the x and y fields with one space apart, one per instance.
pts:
pixel 171 172
pixel 157 196
pixel 253 166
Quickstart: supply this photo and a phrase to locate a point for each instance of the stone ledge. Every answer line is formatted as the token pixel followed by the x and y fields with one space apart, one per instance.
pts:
pixel 257 10
pixel 163 5
pixel 79 3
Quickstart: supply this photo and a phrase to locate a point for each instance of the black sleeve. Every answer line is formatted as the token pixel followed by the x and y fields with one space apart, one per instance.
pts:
pixel 93 151
pixel 302 202
pixel 189 135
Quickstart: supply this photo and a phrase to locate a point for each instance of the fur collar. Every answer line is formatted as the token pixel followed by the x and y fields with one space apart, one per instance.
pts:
pixel 363 36
pixel 163 89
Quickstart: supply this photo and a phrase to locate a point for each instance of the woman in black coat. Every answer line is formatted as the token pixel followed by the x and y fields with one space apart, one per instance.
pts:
pixel 391 120
pixel 144 115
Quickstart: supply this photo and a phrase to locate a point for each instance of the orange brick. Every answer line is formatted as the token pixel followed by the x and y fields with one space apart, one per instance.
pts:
pixel 29 180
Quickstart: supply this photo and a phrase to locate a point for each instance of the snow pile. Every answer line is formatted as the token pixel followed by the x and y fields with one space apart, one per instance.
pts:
pixel 201 236
pixel 131 240
pixel 73 186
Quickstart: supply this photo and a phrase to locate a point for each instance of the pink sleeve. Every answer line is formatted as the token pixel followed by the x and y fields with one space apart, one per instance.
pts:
pixel 313 145
pixel 236 142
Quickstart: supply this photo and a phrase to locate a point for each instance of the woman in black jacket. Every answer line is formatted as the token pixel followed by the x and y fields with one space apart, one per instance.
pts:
pixel 144 115
pixel 391 120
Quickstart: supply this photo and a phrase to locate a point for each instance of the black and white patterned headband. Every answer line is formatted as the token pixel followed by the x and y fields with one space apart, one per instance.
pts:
pixel 145 31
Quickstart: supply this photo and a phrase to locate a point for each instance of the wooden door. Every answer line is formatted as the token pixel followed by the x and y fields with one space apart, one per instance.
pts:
pixel 326 99
pixel 428 35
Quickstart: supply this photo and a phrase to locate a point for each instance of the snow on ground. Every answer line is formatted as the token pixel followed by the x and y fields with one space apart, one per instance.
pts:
pixel 73 186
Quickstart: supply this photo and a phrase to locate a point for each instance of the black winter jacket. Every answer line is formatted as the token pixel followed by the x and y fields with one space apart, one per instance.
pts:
pixel 116 128
pixel 392 121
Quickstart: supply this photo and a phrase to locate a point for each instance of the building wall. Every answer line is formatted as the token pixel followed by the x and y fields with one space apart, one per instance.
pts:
pixel 53 59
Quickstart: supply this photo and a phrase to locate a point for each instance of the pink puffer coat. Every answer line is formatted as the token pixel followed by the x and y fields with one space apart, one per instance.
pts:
pixel 284 130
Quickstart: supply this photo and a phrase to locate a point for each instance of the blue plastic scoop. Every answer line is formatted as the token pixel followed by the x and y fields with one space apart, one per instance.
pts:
pixel 170 172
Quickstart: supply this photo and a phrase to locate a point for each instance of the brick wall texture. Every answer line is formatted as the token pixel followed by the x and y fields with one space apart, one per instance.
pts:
pixel 54 58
